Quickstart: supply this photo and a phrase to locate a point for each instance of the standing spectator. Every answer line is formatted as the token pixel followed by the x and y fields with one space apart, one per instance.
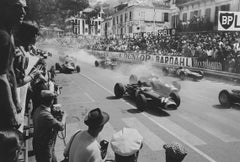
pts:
pixel 84 146
pixel 174 152
pixel 11 142
pixel 126 145
pixel 46 127
pixel 11 13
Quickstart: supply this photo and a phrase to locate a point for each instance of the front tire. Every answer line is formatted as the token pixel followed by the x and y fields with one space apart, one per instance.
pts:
pixel 57 66
pixel 182 76
pixel 176 98
pixel 224 98
pixel 78 69
pixel 165 72
pixel 119 90
pixel 96 63
pixel 141 102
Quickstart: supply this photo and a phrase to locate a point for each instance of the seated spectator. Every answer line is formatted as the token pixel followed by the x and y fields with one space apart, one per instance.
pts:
pixel 84 147
pixel 174 152
pixel 126 145
pixel 46 127
pixel 11 142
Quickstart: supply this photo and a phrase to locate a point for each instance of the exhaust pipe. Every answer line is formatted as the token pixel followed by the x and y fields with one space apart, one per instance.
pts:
pixel 168 103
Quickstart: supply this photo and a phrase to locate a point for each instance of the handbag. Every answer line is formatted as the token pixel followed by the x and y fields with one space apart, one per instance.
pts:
pixel 66 156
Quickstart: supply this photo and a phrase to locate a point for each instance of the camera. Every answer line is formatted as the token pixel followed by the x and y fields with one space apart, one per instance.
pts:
pixel 57 112
pixel 103 148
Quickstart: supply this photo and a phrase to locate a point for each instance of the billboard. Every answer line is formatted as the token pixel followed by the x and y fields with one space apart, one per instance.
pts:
pixel 228 21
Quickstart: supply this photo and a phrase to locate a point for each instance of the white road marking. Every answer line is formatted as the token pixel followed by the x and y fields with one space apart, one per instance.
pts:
pixel 89 97
pixel 179 131
pixel 211 129
pixel 161 126
pixel 153 141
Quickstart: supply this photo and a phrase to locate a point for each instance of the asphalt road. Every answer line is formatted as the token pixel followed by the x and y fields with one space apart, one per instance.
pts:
pixel 208 131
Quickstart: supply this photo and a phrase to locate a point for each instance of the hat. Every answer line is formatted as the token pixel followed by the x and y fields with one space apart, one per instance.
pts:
pixel 47 93
pixel 126 142
pixel 175 150
pixel 96 118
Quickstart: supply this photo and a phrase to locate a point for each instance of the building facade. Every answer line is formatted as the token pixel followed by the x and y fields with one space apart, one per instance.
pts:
pixel 131 19
pixel 204 10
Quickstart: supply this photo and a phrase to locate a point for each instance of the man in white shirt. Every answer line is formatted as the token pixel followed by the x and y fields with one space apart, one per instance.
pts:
pixel 84 146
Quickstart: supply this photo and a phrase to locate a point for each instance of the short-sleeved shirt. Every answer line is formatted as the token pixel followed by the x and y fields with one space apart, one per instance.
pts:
pixel 84 148
pixel 44 128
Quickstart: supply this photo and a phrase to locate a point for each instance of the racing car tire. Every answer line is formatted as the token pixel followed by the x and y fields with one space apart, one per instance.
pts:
pixel 165 72
pixel 182 76
pixel 78 69
pixel 96 63
pixel 119 90
pixel 141 102
pixel 176 98
pixel 57 66
pixel 224 98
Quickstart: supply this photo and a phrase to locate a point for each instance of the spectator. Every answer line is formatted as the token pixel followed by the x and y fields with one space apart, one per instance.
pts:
pixel 84 147
pixel 46 127
pixel 11 142
pixel 11 13
pixel 126 145
pixel 174 152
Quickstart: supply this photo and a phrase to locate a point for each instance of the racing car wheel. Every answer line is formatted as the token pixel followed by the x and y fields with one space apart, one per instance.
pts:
pixel 78 69
pixel 182 75
pixel 96 63
pixel 119 90
pixel 165 72
pixel 225 98
pixel 176 98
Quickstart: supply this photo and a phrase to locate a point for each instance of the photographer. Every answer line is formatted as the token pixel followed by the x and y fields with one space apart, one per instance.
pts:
pixel 46 127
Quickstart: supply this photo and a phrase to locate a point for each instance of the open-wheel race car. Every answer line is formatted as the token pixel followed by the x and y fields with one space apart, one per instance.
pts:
pixel 69 65
pixel 228 98
pixel 148 90
pixel 106 62
pixel 183 73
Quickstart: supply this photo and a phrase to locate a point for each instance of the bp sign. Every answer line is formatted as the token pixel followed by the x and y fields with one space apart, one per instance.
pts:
pixel 228 21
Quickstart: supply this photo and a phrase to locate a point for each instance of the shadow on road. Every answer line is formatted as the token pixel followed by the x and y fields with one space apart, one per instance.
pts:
pixel 235 107
pixel 112 98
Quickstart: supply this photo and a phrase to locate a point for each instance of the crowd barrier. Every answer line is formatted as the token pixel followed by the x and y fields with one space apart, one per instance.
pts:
pixel 210 68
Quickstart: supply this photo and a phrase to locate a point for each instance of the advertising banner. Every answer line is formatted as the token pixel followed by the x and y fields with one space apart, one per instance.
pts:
pixel 228 21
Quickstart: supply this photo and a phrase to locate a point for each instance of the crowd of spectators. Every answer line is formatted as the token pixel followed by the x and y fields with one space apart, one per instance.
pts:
pixel 212 46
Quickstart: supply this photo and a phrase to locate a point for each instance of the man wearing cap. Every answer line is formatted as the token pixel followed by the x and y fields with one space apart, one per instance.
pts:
pixel 11 13
pixel 46 128
pixel 84 146
pixel 175 152
pixel 126 145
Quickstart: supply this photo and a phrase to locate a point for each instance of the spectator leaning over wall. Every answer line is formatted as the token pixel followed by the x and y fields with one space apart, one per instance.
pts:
pixel 11 13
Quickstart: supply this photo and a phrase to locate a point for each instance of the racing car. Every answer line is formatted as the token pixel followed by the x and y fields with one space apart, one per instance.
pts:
pixel 227 98
pixel 106 62
pixel 69 66
pixel 150 89
pixel 183 73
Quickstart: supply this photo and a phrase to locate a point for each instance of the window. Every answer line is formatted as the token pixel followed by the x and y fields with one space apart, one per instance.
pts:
pixel 208 14
pixel 165 18
pixel 130 16
pixel 184 17
pixel 142 15
pixel 121 19
pixel 113 20
pixel 126 16
pixel 117 19
pixel 130 29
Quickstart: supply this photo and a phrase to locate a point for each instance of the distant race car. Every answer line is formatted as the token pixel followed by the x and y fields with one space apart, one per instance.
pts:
pixel 106 62
pixel 183 73
pixel 68 66
pixel 150 89
pixel 228 98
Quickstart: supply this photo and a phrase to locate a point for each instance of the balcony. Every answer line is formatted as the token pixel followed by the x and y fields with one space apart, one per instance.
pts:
pixel 184 2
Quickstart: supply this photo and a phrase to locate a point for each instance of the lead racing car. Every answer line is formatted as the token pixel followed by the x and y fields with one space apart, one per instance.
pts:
pixel 106 62
pixel 228 98
pixel 69 65
pixel 183 73
pixel 150 89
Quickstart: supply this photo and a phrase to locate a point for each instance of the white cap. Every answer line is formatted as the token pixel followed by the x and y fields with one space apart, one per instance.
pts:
pixel 126 142
pixel 47 93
